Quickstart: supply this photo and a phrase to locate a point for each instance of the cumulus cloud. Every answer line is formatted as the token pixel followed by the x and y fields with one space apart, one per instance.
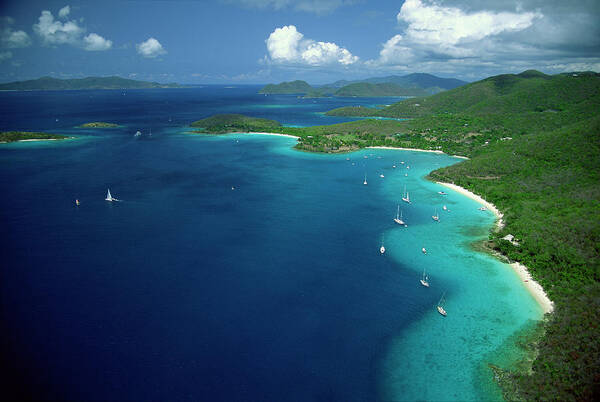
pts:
pixel 288 46
pixel 53 32
pixel 319 7
pixel 10 38
pixel 95 42
pixel 470 40
pixel 64 12
pixel 150 48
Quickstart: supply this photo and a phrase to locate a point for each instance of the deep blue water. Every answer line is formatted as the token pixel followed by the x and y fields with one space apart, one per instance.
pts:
pixel 234 268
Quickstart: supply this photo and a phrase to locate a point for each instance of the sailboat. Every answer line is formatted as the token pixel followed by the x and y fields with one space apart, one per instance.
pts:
pixel 110 197
pixel 425 279
pixel 424 250
pixel 436 217
pixel 440 306
pixel 365 182
pixel 398 218
pixel 405 197
pixel 382 248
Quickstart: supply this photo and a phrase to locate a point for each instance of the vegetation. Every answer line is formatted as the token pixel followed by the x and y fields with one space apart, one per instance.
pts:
pixel 13 136
pixel 430 83
pixel 99 124
pixel 49 83
pixel 234 123
pixel 408 85
pixel 293 87
pixel 366 89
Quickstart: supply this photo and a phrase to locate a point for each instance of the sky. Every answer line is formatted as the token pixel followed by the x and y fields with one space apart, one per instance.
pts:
pixel 319 41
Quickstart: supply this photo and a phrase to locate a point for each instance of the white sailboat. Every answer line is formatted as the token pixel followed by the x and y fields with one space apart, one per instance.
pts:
pixel 440 306
pixel 382 248
pixel 424 250
pixel 110 197
pixel 398 218
pixel 425 279
pixel 406 197
pixel 365 182
pixel 435 217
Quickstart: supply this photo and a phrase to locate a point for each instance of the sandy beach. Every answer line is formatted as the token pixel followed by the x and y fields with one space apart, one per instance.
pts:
pixel 435 151
pixel 279 135
pixel 534 288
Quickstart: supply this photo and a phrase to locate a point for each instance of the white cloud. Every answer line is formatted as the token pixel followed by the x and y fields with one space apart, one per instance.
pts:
pixel 64 12
pixel 53 32
pixel 5 56
pixel 95 42
pixel 150 48
pixel 446 26
pixel 288 46
pixel 11 39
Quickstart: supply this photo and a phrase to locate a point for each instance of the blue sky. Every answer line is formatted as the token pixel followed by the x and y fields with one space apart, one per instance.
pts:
pixel 320 41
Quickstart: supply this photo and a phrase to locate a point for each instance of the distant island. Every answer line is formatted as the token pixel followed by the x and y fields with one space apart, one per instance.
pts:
pixel 14 136
pixel 234 123
pixel 54 84
pixel 408 85
pixel 99 124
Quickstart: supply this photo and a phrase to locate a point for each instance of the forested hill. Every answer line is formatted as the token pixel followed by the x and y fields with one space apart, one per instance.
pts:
pixel 530 91
pixel 49 83
pixel 417 84
pixel 292 87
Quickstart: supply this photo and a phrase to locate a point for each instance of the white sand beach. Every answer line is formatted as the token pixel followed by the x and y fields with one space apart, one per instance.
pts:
pixel 534 288
pixel 279 135
pixel 435 151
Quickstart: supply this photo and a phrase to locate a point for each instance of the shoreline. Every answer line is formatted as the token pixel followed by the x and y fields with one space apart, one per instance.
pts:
pixel 534 288
pixel 277 134
pixel 437 151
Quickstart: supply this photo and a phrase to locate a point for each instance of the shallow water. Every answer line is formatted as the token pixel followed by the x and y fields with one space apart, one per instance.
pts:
pixel 236 268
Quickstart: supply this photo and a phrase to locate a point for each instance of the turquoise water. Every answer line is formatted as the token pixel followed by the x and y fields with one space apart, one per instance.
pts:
pixel 236 268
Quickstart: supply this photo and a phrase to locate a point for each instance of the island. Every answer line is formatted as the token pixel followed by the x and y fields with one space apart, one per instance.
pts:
pixel 417 84
pixel 533 147
pixel 54 84
pixel 14 136
pixel 98 124
pixel 234 123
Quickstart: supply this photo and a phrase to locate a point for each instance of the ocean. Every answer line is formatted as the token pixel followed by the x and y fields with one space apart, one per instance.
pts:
pixel 235 268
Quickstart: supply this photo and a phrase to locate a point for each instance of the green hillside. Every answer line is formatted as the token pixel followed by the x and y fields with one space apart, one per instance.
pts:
pixel 49 83
pixel 365 89
pixel 233 123
pixel 292 87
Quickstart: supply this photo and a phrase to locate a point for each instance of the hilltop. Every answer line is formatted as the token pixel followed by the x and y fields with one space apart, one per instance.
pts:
pixel 418 84
pixel 50 84
pixel 530 91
